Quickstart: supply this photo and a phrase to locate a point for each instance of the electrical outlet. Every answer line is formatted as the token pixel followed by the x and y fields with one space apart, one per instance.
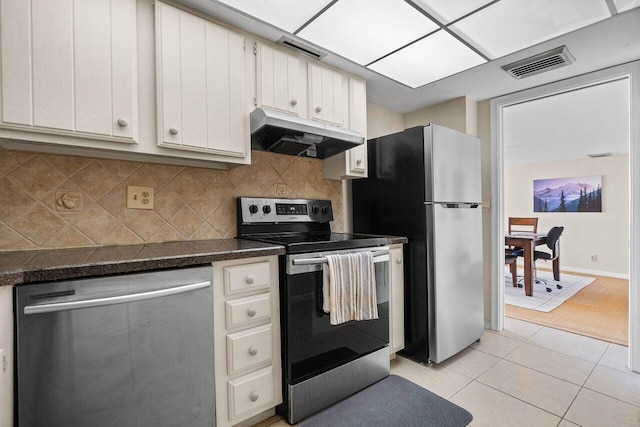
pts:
pixel 139 197
pixel 594 258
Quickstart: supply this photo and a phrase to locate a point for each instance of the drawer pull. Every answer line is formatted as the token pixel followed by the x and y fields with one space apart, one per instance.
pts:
pixel 253 351
pixel 251 312
pixel 294 102
pixel 254 396
pixel 318 109
pixel 173 131
pixel 123 123
pixel 359 162
pixel 250 279
pixel 399 260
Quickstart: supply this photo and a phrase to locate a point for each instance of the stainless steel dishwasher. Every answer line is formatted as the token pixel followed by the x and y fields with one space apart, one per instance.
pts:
pixel 127 350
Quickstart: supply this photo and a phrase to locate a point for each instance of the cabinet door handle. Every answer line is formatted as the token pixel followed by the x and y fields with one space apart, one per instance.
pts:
pixel 318 109
pixel 359 162
pixel 250 279
pixel 254 396
pixel 123 123
pixel 251 312
pixel 294 102
pixel 399 260
pixel 253 351
pixel 173 131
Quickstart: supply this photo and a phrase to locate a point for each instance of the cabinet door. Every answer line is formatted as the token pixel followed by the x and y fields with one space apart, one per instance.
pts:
pixel 200 84
pixel 69 66
pixel 326 94
pixel 278 84
pixel 357 157
pixel 396 299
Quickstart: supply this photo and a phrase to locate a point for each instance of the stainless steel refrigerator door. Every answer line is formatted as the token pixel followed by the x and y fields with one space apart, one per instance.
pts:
pixel 456 301
pixel 130 350
pixel 453 165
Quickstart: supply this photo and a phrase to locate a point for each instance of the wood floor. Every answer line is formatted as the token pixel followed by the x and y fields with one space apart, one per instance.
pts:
pixel 600 310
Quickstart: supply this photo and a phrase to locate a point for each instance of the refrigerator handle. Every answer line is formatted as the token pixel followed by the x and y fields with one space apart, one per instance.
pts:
pixel 454 205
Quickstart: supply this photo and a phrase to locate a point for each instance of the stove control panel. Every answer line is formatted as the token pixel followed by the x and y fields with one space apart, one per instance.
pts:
pixel 263 209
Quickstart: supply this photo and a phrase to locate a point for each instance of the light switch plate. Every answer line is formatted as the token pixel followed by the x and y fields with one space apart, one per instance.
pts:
pixel 139 197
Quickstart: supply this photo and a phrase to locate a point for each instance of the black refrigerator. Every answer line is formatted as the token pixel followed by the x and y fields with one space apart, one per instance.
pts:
pixel 425 184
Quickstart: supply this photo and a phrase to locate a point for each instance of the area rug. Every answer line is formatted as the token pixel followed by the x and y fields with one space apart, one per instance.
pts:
pixel 541 300
pixel 393 401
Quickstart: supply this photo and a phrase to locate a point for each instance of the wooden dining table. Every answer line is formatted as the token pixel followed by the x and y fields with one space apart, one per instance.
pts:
pixel 529 241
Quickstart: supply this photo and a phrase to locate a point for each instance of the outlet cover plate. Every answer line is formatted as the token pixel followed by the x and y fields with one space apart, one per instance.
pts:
pixel 139 197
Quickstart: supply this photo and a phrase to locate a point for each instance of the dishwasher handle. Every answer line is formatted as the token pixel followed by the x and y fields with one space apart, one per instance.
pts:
pixel 99 302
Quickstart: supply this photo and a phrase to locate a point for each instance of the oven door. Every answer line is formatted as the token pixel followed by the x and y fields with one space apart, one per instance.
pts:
pixel 312 345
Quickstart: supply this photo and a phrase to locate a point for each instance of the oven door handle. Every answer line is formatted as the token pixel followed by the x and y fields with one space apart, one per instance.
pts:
pixel 323 260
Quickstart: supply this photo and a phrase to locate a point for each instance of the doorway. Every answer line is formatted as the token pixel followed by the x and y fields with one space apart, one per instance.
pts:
pixel 628 72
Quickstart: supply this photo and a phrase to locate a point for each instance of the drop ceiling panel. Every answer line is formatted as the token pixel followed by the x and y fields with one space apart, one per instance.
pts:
pixel 432 58
pixel 365 30
pixel 623 5
pixel 285 14
pixel 447 11
pixel 510 25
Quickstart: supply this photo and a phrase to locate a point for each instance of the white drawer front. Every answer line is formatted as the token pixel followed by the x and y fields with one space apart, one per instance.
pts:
pixel 250 392
pixel 247 277
pixel 249 348
pixel 242 311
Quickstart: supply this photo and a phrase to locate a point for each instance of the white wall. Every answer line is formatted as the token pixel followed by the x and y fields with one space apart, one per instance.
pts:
pixel 603 234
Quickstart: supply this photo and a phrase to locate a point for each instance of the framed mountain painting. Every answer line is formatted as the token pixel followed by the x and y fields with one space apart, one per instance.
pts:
pixel 577 194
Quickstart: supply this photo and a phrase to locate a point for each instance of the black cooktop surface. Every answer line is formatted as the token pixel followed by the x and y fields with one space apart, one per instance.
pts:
pixel 319 241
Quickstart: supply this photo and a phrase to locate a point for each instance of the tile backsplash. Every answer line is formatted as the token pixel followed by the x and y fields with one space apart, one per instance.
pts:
pixel 55 201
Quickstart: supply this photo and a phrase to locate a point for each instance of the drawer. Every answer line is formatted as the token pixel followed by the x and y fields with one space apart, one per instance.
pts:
pixel 249 348
pixel 242 311
pixel 247 277
pixel 251 392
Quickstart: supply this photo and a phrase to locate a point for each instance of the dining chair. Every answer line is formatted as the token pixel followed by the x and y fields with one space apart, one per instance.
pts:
pixel 510 260
pixel 523 224
pixel 553 243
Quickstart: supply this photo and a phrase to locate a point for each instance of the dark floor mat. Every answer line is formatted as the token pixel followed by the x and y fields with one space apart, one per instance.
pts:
pixel 393 401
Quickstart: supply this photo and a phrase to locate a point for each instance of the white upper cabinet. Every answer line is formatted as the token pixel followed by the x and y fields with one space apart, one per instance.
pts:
pixel 69 67
pixel 279 82
pixel 328 95
pixel 200 85
pixel 352 163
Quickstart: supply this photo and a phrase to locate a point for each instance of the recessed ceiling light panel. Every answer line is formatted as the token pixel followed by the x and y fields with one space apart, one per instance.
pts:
pixel 288 15
pixel 511 25
pixel 365 30
pixel 432 58
pixel 447 11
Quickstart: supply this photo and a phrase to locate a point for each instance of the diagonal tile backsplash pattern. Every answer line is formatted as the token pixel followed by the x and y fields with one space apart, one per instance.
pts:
pixel 190 203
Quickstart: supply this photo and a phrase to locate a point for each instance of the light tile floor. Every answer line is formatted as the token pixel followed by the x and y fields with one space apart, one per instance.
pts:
pixel 529 375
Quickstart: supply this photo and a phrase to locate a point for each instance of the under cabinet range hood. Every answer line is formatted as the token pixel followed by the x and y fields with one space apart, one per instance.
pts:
pixel 283 133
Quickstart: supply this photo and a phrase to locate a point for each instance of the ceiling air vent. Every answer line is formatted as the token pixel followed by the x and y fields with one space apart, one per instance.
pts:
pixel 302 48
pixel 550 60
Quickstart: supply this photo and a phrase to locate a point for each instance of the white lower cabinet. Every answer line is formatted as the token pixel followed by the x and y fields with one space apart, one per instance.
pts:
pixel 396 298
pixel 248 373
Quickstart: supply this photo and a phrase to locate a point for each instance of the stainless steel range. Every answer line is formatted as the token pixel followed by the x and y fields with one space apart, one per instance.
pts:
pixel 322 363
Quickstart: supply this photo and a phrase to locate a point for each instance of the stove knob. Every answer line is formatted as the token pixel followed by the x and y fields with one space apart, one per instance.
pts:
pixel 266 209
pixel 315 209
pixel 325 209
pixel 253 209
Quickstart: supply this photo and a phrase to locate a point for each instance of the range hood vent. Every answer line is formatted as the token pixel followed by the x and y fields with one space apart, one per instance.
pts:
pixel 283 133
pixel 550 60
pixel 301 48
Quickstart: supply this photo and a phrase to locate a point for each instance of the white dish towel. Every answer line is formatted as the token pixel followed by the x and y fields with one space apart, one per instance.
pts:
pixel 349 287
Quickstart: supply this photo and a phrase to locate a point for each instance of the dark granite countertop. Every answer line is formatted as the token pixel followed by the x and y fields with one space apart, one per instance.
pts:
pixel 23 267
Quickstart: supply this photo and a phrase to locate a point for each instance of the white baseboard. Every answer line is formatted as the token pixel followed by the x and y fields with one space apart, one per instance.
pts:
pixel 584 271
